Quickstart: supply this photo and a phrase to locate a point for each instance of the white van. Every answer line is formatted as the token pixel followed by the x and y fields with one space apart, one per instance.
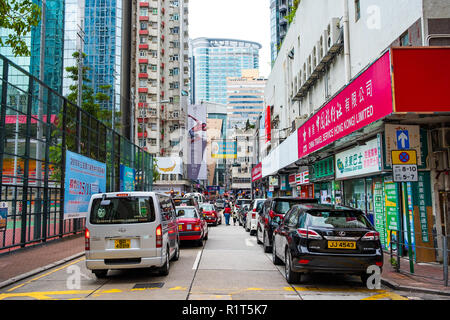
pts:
pixel 197 195
pixel 131 230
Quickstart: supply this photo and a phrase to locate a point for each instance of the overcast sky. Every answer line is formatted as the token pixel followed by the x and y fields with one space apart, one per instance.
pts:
pixel 237 19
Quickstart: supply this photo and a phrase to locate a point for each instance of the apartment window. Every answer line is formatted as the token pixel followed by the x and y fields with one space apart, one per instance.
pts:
pixel 357 10
pixel 174 57
pixel 142 53
pixel 153 67
pixel 155 10
pixel 153 126
pixel 142 98
pixel 144 26
pixel 404 39
pixel 174 17
pixel 143 68
pixel 152 142
pixel 175 30
pixel 142 83
pixel 144 12
pixel 143 40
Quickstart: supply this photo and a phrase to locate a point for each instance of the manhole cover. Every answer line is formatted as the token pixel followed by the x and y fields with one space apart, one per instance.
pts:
pixel 148 285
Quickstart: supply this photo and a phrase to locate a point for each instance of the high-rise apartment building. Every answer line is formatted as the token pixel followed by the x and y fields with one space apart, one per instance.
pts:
pixel 161 75
pixel 245 98
pixel 279 25
pixel 213 60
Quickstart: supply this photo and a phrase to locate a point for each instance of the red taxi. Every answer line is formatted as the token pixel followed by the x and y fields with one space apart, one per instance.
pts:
pixel 191 225
pixel 210 214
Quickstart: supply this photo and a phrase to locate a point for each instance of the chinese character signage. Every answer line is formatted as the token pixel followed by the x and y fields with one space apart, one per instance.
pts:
pixel 358 161
pixel 257 172
pixel 365 100
pixel 224 150
pixel 84 177
pixel 392 205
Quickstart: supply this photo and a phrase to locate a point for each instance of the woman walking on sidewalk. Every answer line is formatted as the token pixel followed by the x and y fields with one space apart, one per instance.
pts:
pixel 227 213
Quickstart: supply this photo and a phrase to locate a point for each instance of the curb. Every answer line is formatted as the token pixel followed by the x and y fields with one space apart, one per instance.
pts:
pixel 393 285
pixel 40 269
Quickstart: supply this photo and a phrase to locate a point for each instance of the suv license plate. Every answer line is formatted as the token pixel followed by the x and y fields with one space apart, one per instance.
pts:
pixel 122 244
pixel 341 245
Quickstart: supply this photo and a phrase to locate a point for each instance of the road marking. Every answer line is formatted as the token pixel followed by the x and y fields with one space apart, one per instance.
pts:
pixel 249 242
pixel 389 295
pixel 197 260
pixel 45 274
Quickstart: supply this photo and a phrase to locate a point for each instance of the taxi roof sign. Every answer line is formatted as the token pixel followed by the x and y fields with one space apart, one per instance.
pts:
pixel 404 157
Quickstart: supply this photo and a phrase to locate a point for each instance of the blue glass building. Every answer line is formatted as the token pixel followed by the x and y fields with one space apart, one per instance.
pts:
pixel 213 60
pixel 103 46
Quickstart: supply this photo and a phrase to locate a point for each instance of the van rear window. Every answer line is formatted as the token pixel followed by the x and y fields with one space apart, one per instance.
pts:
pixel 122 210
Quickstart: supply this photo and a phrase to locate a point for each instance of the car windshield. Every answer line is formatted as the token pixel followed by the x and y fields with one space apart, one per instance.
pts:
pixel 337 219
pixel 283 206
pixel 187 213
pixel 259 205
pixel 207 207
pixel 122 210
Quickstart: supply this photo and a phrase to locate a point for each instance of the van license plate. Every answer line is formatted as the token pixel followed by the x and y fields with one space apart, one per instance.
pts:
pixel 341 245
pixel 122 244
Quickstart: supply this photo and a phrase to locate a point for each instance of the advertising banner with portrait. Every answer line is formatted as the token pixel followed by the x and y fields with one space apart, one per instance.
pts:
pixel 197 141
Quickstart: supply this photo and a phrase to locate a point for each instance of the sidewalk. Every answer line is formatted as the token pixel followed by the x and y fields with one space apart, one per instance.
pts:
pixel 27 262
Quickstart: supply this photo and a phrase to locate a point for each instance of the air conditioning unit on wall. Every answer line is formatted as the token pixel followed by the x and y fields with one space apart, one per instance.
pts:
pixel 332 34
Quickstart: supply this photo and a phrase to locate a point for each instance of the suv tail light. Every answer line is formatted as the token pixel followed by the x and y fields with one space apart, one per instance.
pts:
pixel 309 234
pixel 254 210
pixel 159 239
pixel 371 236
pixel 87 240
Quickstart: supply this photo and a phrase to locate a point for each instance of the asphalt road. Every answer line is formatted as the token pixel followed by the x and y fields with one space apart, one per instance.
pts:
pixel 230 266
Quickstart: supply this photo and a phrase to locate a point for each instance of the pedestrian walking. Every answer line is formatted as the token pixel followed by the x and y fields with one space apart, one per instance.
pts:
pixel 226 214
pixel 235 218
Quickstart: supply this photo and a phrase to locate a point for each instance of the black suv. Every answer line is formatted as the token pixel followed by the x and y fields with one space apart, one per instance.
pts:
pixel 274 207
pixel 326 238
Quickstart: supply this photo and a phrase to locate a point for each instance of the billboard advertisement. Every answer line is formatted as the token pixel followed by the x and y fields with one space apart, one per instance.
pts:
pixel 197 141
pixel 365 100
pixel 224 149
pixel 84 177
pixel 169 165
pixel 127 178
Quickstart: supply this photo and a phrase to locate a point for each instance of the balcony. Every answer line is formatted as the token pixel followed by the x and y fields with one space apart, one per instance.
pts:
pixel 143 32
pixel 143 4
pixel 143 90
pixel 143 46
pixel 143 18
pixel 143 75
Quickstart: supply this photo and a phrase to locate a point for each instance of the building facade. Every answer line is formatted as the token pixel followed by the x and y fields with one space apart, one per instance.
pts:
pixel 213 60
pixel 161 76
pixel 245 98
pixel 279 25
pixel 332 100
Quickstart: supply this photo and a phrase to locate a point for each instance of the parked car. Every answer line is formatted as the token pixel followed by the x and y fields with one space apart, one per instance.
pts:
pixel 239 202
pixel 210 213
pixel 131 230
pixel 186 201
pixel 220 204
pixel 242 213
pixel 251 221
pixel 273 207
pixel 326 238
pixel 191 225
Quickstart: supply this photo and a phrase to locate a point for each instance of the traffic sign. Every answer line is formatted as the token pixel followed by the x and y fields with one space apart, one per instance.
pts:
pixel 405 173
pixel 403 139
pixel 404 157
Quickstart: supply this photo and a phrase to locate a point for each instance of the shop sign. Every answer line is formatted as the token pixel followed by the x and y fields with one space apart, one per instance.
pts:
pixel 380 218
pixel 273 181
pixel 360 160
pixel 391 205
pixel 292 179
pixel 324 168
pixel 268 125
pixel 257 172
pixel 365 100
pixel 302 178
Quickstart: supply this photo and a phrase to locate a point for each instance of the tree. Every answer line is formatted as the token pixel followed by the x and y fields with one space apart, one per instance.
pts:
pixel 292 11
pixel 249 126
pixel 155 170
pixel 19 17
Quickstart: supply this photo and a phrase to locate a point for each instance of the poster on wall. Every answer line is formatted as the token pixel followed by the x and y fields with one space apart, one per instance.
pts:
pixel 84 177
pixel 3 215
pixel 127 178
pixel 197 142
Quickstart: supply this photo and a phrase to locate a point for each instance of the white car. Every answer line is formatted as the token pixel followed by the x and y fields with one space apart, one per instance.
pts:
pixel 251 222
pixel 197 195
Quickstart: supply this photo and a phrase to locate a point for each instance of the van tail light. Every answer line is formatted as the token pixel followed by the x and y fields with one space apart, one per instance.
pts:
pixel 309 234
pixel 254 210
pixel 87 240
pixel 159 239
pixel 371 236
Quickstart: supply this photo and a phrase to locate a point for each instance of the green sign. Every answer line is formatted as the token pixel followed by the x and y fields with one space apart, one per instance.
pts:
pixel 422 199
pixel 380 218
pixel 324 168
pixel 391 205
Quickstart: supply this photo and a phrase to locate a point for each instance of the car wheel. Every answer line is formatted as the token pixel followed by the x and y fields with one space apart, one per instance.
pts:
pixel 267 247
pixel 100 274
pixel 291 277
pixel 177 252
pixel 275 259
pixel 164 270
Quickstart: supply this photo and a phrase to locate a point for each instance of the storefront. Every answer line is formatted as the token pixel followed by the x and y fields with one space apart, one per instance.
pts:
pixel 325 187
pixel 305 188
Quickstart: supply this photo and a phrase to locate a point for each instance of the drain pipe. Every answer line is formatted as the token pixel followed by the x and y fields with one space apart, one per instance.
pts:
pixel 346 19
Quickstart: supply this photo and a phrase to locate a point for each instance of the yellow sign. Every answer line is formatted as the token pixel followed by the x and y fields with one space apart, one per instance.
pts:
pixel 403 157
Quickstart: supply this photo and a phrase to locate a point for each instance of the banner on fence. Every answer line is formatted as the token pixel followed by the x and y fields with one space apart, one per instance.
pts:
pixel 84 177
